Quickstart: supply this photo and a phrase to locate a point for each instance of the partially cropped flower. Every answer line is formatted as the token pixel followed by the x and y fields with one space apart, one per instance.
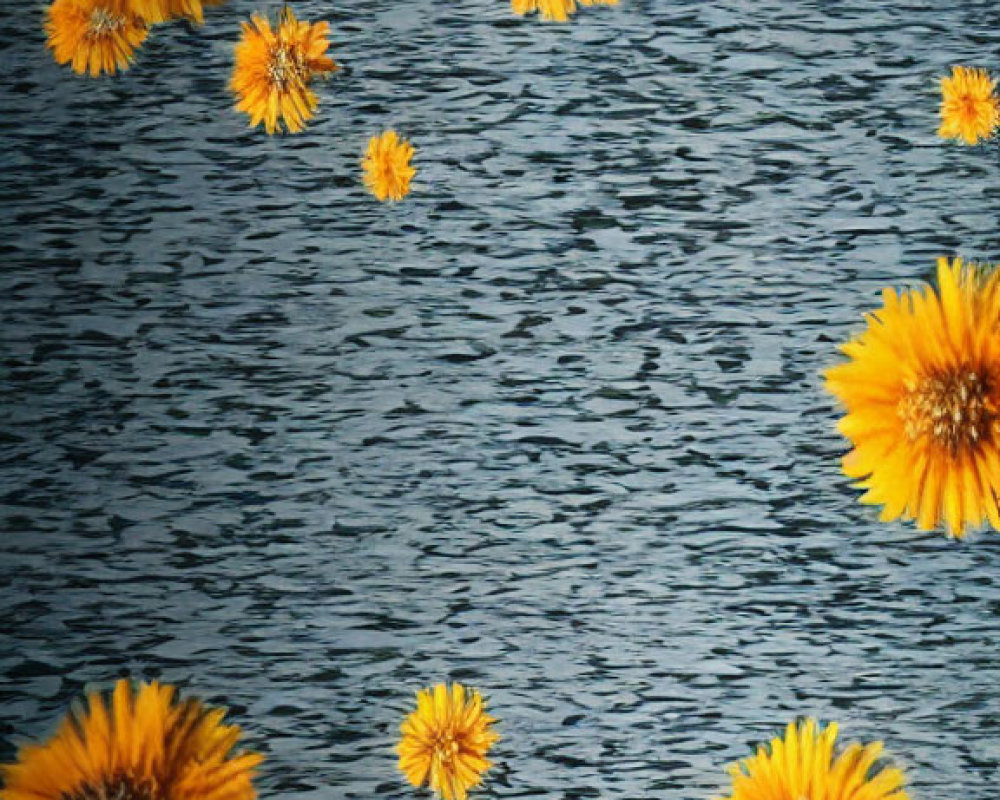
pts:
pixel 922 391
pixel 970 110
pixel 387 166
pixel 163 10
pixel 142 745
pixel 445 741
pixel 551 10
pixel 275 67
pixel 554 10
pixel 94 36
pixel 803 765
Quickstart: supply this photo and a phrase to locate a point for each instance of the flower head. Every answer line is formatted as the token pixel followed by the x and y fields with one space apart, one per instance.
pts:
pixel 94 36
pixel 445 741
pixel 275 67
pixel 802 765
pixel 922 392
pixel 970 110
pixel 141 746
pixel 387 166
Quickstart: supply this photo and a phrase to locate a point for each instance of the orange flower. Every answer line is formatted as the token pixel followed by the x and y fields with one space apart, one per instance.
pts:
pixel 803 765
pixel 387 166
pixel 274 69
pixel 137 744
pixel 921 388
pixel 94 36
pixel 970 110
pixel 445 741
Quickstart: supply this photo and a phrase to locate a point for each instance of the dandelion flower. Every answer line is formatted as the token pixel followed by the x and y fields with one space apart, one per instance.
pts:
pixel 445 741
pixel 387 166
pixel 551 10
pixel 802 765
pixel 94 36
pixel 969 108
pixel 922 392
pixel 140 746
pixel 275 67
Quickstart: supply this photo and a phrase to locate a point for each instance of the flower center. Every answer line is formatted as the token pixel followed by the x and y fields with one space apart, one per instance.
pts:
pixel 971 107
pixel 115 787
pixel 445 748
pixel 286 66
pixel 103 22
pixel 954 409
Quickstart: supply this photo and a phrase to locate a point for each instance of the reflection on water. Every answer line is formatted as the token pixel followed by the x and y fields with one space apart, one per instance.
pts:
pixel 552 426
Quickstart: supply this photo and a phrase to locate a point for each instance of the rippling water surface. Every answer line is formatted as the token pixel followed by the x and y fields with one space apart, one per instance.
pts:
pixel 552 426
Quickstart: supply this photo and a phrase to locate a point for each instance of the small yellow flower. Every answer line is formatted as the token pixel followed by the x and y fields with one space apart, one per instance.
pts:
pixel 922 391
pixel 387 166
pixel 969 108
pixel 445 741
pixel 275 67
pixel 802 765
pixel 94 36
pixel 141 746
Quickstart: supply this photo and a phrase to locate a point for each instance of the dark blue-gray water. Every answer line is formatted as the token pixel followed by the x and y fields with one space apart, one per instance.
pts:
pixel 552 426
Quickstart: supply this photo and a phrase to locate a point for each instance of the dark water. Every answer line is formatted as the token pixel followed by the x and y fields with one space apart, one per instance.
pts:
pixel 552 426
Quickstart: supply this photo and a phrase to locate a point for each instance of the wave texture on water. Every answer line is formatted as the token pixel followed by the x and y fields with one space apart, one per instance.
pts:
pixel 552 426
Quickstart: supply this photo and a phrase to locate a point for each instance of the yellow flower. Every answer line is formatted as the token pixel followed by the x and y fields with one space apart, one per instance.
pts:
pixel 140 746
pixel 969 108
pixel 922 392
pixel 94 36
pixel 274 69
pixel 802 765
pixel 387 166
pixel 446 740
pixel 552 10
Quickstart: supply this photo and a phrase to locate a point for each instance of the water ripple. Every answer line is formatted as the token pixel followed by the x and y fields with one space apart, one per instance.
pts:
pixel 552 426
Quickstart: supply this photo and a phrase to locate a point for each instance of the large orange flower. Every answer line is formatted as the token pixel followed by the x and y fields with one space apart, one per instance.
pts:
pixel 275 67
pixel 922 391
pixel 94 36
pixel 141 746
pixel 802 766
